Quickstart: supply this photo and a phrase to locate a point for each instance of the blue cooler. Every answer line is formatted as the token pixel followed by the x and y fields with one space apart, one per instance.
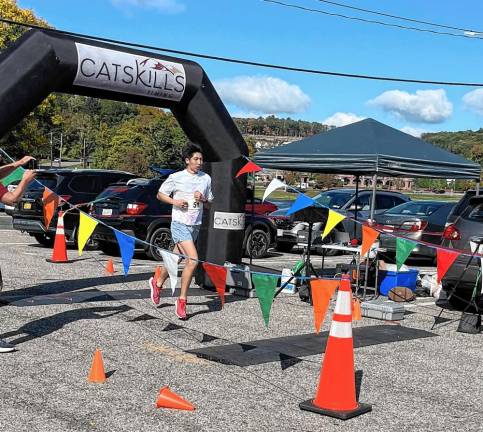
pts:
pixel 390 279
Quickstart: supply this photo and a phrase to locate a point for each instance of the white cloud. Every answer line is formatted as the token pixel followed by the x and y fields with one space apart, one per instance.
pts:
pixel 262 94
pixel 424 106
pixel 341 119
pixel 474 100
pixel 166 6
pixel 417 132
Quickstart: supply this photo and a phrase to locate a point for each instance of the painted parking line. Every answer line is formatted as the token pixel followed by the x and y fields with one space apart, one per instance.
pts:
pixel 10 244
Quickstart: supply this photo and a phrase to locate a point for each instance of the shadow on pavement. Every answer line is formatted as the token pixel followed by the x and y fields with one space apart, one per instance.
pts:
pixel 45 326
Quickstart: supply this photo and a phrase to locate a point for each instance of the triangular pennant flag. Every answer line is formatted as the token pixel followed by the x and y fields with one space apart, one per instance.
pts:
pixel 369 236
pixel 403 249
pixel 322 292
pixel 170 261
pixel 302 201
pixel 250 167
pixel 126 245
pixel 444 260
pixel 87 225
pixel 50 203
pixel 332 220
pixel 217 275
pixel 265 286
pixel 15 175
pixel 274 184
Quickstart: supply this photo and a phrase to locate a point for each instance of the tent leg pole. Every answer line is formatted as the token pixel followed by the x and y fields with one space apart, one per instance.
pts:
pixel 477 188
pixel 373 206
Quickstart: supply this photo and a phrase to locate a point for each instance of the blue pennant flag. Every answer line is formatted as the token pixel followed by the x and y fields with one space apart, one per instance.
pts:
pixel 300 203
pixel 126 245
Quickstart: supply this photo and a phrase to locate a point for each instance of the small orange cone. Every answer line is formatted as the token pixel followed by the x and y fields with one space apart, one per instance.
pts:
pixel 97 374
pixel 356 309
pixel 59 253
pixel 336 394
pixel 169 399
pixel 157 273
pixel 110 266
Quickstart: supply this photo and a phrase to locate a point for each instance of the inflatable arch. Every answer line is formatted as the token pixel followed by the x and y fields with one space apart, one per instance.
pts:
pixel 41 62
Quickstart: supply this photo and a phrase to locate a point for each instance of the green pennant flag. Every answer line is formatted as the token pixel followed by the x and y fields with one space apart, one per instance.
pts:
pixel 403 249
pixel 265 286
pixel 13 176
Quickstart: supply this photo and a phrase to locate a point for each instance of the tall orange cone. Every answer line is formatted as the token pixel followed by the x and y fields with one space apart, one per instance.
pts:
pixel 59 254
pixel 110 266
pixel 97 374
pixel 336 394
pixel 169 399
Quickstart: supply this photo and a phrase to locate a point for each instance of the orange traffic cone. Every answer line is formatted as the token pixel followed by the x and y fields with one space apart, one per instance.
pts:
pixel 336 394
pixel 110 266
pixel 169 399
pixel 356 309
pixel 157 273
pixel 59 254
pixel 97 374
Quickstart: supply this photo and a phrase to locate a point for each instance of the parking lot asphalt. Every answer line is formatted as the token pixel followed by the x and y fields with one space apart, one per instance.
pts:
pixel 58 314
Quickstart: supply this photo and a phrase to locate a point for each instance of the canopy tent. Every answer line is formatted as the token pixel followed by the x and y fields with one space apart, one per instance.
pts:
pixel 368 147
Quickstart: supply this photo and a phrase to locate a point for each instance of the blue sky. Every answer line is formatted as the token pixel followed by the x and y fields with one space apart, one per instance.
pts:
pixel 269 33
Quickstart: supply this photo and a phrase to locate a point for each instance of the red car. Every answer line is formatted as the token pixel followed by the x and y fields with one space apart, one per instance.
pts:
pixel 260 208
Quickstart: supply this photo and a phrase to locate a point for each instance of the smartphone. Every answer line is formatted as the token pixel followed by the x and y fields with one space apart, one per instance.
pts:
pixel 32 164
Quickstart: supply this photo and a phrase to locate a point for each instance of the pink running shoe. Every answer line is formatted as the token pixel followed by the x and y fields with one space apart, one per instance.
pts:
pixel 180 308
pixel 155 291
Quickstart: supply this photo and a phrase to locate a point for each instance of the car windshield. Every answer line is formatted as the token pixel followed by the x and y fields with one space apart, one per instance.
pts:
pixel 333 199
pixel 415 208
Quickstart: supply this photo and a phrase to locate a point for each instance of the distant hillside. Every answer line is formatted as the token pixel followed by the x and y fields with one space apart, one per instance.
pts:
pixel 278 127
pixel 468 144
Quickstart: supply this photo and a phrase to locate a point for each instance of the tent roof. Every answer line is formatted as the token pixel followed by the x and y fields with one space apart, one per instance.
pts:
pixel 365 148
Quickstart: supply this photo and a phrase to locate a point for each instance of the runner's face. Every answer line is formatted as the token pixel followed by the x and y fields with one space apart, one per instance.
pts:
pixel 194 163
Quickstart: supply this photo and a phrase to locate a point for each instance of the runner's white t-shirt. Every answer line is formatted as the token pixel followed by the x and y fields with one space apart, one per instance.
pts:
pixel 183 185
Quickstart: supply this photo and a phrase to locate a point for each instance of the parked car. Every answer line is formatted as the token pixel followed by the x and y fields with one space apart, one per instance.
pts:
pixel 74 186
pixel 460 207
pixel 133 208
pixel 416 220
pixel 466 233
pixel 260 207
pixel 344 202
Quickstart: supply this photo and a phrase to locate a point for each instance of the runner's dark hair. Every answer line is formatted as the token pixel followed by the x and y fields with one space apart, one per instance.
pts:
pixel 190 149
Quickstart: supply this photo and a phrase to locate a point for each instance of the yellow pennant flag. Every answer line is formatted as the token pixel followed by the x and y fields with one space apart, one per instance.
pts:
pixel 333 219
pixel 87 225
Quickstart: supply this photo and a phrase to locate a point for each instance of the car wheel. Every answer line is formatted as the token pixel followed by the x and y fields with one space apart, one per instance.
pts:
pixel 284 247
pixel 257 243
pixel 160 238
pixel 109 248
pixel 45 240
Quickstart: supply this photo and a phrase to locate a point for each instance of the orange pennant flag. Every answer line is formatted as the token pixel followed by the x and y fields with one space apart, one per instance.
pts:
pixel 322 291
pixel 217 275
pixel 444 260
pixel 51 202
pixel 369 236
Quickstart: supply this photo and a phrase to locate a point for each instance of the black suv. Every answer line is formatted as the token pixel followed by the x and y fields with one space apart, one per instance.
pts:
pixel 132 207
pixel 74 186
pixel 343 201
